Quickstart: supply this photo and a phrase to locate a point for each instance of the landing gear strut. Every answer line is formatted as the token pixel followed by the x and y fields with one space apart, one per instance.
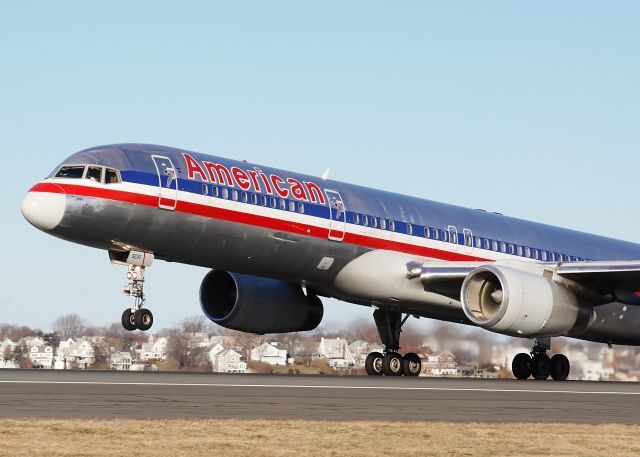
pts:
pixel 538 365
pixel 391 363
pixel 136 318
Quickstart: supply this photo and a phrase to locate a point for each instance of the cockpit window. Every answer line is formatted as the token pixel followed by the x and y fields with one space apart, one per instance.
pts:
pixel 94 174
pixel 71 171
pixel 111 176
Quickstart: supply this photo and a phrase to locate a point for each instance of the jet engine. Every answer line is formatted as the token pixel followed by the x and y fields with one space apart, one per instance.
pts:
pixel 258 305
pixel 522 303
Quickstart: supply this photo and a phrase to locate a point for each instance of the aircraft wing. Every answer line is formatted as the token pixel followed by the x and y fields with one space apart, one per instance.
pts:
pixel 620 279
pixel 611 280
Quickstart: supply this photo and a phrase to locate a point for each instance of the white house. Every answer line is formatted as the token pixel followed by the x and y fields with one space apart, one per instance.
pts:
pixel 334 348
pixel 72 354
pixel 153 349
pixel 41 356
pixel 269 353
pixel 228 361
pixel 121 361
pixel 443 364
pixel 360 349
pixel 226 341
pixel 7 346
pixel 199 340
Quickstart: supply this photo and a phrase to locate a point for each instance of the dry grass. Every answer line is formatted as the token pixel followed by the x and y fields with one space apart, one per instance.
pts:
pixel 30 437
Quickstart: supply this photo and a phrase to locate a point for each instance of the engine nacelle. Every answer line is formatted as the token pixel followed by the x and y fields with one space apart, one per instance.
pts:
pixel 258 305
pixel 520 303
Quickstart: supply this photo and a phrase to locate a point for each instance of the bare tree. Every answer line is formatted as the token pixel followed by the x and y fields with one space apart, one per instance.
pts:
pixel 195 324
pixel 69 326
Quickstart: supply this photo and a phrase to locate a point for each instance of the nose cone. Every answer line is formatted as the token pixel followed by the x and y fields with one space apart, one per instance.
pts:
pixel 43 210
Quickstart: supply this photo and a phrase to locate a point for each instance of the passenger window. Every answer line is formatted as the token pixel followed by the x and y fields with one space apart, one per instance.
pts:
pixel 487 244
pixel 503 247
pixel 392 226
pixel 527 252
pixel 374 222
pixel 445 235
pixel 495 246
pixel 254 199
pixel 436 234
pixel 245 197
pixel 356 219
pixel 468 239
pixel 544 255
pixel 112 176
pixel 263 200
pixel 383 224
pixel 365 221
pixel 453 234
pixel 225 193
pixel 535 254
pixel 512 249
pixel 552 257
pixel 520 251
pixel 283 204
pixel 301 208
pixel 205 189
pixel 292 206
pixel 215 192
pixel 73 171
pixel 409 229
pixel 274 202
pixel 234 195
pixel 427 232
pixel 478 242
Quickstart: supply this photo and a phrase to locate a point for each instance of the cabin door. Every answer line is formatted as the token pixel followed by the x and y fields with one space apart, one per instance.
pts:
pixel 167 183
pixel 338 223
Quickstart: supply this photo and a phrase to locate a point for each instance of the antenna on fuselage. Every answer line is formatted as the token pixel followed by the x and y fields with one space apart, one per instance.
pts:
pixel 326 174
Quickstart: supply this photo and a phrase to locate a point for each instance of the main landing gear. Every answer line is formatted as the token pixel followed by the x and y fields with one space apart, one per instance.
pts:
pixel 538 365
pixel 391 362
pixel 136 318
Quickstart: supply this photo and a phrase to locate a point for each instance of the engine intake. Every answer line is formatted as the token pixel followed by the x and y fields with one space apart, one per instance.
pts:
pixel 520 303
pixel 258 305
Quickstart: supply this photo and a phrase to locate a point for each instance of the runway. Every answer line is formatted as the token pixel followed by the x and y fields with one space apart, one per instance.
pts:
pixel 111 395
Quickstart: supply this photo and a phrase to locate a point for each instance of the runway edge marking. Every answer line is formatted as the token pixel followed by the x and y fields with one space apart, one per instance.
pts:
pixel 338 387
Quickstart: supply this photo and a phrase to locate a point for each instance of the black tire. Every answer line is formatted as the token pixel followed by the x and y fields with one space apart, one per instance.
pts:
pixel 128 320
pixel 411 364
pixel 144 319
pixel 560 367
pixel 373 364
pixel 521 366
pixel 540 367
pixel 392 364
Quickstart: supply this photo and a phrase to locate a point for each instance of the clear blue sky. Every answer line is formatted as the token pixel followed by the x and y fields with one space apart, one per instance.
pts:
pixel 527 108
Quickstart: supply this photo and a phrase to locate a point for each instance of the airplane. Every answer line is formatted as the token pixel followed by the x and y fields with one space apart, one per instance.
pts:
pixel 277 241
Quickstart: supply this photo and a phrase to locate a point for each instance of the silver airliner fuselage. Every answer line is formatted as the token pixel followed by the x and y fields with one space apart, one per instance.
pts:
pixel 396 253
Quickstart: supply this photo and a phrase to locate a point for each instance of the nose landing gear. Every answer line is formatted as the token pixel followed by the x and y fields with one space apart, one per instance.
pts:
pixel 137 318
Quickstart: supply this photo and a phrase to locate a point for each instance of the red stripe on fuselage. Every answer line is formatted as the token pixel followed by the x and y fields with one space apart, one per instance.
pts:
pixel 251 219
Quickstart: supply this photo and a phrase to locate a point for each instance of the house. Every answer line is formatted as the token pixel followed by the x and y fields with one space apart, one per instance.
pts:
pixel 72 354
pixel 360 349
pixel 199 340
pixel 334 348
pixel 443 364
pixel 6 348
pixel 269 353
pixel 226 341
pixel 228 361
pixel 154 349
pixel 337 352
pixel 41 356
pixel 121 361
pixel 307 350
pixel 30 341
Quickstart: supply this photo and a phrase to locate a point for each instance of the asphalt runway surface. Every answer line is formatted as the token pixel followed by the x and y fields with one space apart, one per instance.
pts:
pixel 129 395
